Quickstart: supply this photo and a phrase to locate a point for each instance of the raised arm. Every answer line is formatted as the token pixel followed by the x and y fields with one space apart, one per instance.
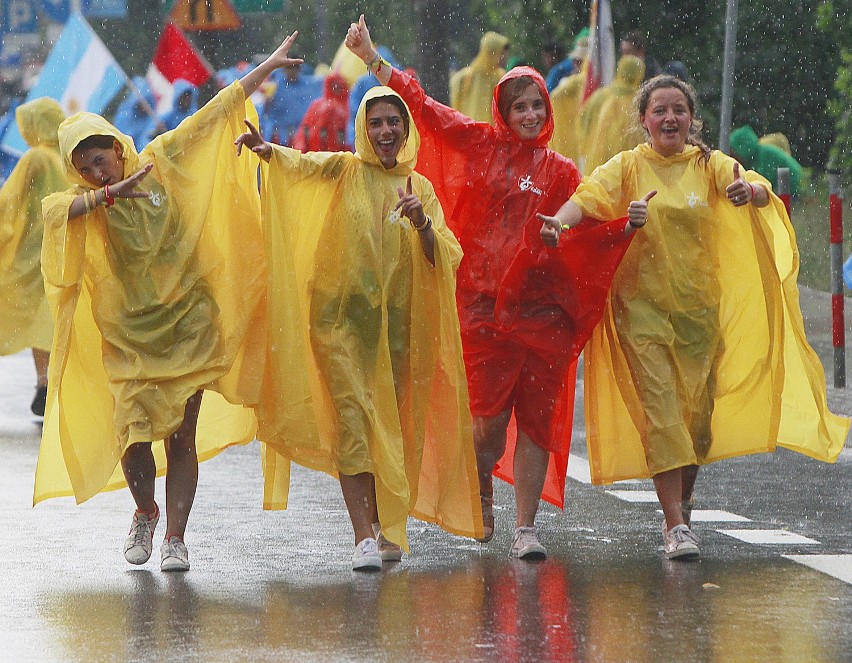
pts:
pixel 279 58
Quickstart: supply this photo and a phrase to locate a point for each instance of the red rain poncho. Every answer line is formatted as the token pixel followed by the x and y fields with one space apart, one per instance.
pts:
pixel 323 128
pixel 491 185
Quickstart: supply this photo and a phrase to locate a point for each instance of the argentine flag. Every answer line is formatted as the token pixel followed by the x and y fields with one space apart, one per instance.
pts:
pixel 80 73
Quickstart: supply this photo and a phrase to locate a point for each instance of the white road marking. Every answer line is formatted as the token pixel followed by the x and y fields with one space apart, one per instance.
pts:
pixel 837 566
pixel 715 516
pixel 768 536
pixel 634 495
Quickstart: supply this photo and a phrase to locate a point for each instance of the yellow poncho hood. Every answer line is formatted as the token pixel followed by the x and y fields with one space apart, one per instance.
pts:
pixel 352 294
pixel 82 125
pixel 407 157
pixel 38 121
pixel 25 320
pixel 491 47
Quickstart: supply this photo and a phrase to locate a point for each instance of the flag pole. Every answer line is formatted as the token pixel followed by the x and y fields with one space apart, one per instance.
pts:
pixel 728 74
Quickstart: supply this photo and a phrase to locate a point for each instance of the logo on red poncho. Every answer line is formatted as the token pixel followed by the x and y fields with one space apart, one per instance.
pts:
pixel 526 185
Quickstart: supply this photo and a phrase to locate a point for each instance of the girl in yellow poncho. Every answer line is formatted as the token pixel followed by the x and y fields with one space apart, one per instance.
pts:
pixel 25 320
pixel 377 298
pixel 701 354
pixel 158 294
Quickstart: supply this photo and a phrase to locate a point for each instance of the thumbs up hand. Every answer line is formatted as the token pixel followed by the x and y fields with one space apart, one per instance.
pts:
pixel 739 192
pixel 637 210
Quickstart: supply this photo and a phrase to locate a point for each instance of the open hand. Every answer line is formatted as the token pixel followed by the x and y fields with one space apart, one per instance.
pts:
pixel 126 188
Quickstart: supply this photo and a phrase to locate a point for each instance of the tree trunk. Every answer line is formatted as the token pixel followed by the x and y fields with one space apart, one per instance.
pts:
pixel 432 53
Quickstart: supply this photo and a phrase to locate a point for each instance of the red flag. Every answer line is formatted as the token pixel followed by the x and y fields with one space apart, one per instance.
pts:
pixel 175 57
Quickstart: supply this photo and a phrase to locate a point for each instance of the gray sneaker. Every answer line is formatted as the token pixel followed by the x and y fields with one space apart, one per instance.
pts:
pixel 526 546
pixel 680 543
pixel 366 556
pixel 140 539
pixel 173 555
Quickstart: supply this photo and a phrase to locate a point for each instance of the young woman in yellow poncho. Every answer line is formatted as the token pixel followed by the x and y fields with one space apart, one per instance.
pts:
pixel 158 293
pixel 701 353
pixel 376 294
pixel 25 320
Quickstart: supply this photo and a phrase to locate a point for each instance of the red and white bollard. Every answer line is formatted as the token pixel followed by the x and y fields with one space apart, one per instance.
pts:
pixel 835 213
pixel 784 188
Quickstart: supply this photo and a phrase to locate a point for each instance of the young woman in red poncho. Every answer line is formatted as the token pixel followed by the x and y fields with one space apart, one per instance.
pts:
pixel 525 310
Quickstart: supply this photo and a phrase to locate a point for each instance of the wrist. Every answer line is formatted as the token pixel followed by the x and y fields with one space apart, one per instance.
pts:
pixel 753 191
pixel 635 223
pixel 423 227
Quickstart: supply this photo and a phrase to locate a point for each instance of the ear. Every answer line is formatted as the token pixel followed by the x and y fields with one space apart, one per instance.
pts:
pixel 119 150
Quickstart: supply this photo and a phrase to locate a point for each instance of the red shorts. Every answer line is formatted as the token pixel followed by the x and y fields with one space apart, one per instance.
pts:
pixel 523 369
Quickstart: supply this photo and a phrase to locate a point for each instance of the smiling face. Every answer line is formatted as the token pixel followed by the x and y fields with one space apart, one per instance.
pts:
pixel 386 131
pixel 667 120
pixel 99 166
pixel 528 113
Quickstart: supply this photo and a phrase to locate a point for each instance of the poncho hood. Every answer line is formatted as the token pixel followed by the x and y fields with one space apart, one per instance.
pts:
pixel 342 93
pixel 651 154
pixel 38 121
pixel 744 142
pixel 629 73
pixel 491 46
pixel 82 125
pixel 500 126
pixel 407 157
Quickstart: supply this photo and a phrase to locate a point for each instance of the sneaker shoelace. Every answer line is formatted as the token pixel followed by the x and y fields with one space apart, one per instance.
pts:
pixel 141 532
pixel 525 536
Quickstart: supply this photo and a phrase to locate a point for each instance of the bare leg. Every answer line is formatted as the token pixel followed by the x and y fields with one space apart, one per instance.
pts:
pixel 41 359
pixel 182 470
pixel 359 493
pixel 139 469
pixel 669 491
pixel 530 470
pixel 489 441
pixel 688 476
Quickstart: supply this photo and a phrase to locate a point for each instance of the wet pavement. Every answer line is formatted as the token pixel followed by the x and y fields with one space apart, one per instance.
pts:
pixel 774 582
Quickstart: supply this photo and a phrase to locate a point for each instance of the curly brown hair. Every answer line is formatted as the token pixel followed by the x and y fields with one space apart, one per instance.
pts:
pixel 665 81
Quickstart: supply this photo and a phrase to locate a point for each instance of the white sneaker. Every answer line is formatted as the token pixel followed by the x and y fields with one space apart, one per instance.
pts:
pixel 525 545
pixel 366 556
pixel 140 539
pixel 680 542
pixel 173 555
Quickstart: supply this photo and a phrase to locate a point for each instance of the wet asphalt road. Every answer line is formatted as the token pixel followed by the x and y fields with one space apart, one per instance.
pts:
pixel 774 582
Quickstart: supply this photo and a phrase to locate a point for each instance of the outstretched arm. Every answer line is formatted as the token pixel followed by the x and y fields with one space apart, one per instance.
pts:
pixel 358 41
pixel 106 195
pixel 279 58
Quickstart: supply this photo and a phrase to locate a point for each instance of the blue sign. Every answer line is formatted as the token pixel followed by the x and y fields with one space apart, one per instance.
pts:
pixel 105 8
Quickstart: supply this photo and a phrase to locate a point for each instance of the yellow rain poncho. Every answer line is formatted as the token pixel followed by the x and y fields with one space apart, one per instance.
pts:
pixel 704 314
pixel 612 128
pixel 25 320
pixel 472 88
pixel 566 98
pixel 154 299
pixel 380 328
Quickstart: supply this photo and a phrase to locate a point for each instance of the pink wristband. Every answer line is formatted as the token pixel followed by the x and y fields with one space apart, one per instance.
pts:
pixel 753 190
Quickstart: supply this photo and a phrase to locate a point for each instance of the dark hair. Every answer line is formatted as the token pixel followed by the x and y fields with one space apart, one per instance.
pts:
pixel 665 81
pixel 554 49
pixel 636 38
pixel 99 141
pixel 393 100
pixel 510 91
